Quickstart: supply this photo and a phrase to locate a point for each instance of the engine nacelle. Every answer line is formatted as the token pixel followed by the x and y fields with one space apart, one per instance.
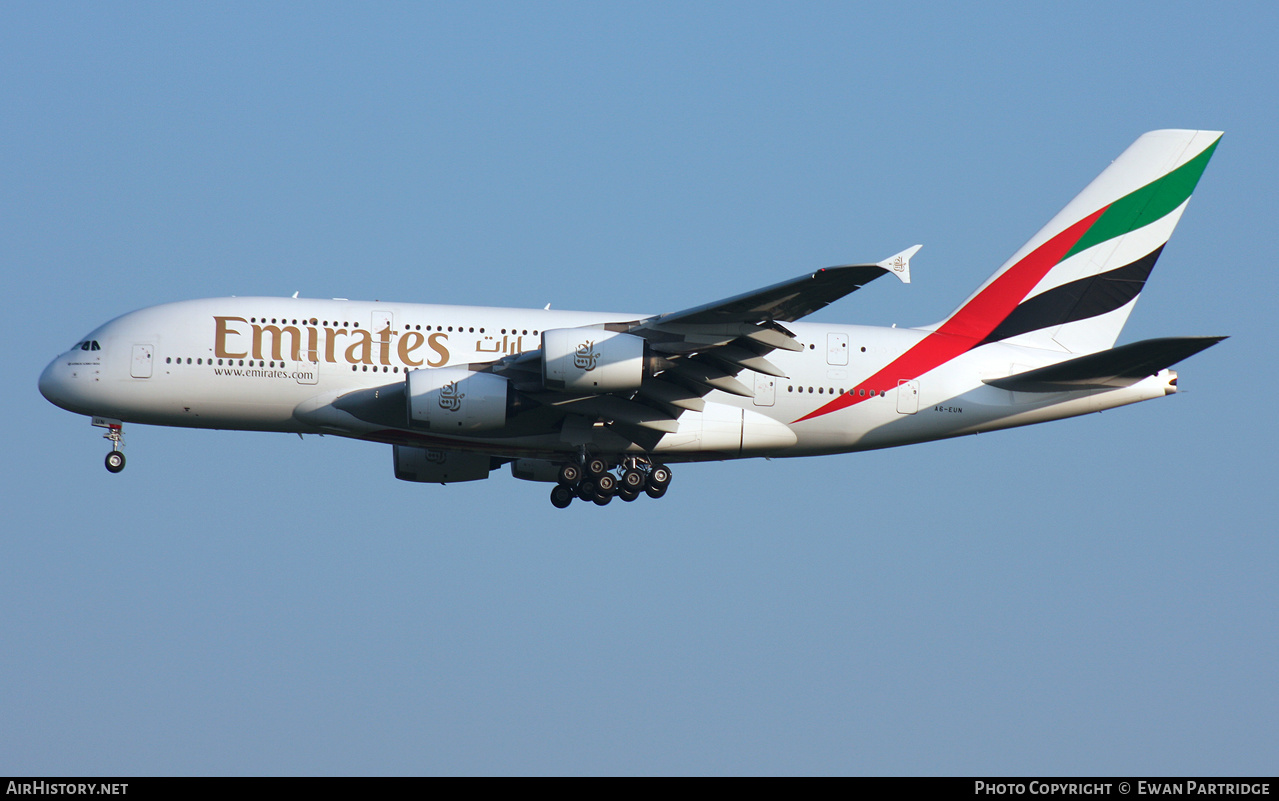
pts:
pixel 454 399
pixel 439 466
pixel 591 360
pixel 536 470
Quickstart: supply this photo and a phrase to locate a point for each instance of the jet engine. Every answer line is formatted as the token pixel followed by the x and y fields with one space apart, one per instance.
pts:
pixel 592 360
pixel 536 470
pixel 457 400
pixel 434 465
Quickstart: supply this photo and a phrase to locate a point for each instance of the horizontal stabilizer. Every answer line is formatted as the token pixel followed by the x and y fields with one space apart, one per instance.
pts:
pixel 1109 369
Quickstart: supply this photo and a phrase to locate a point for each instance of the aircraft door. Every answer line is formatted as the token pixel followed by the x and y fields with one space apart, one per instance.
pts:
pixel 306 372
pixel 141 365
pixel 765 390
pixel 382 326
pixel 907 396
pixel 305 368
pixel 837 349
pixel 382 321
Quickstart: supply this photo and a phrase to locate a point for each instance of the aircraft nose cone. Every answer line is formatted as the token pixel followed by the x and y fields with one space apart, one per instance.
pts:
pixel 48 382
pixel 54 384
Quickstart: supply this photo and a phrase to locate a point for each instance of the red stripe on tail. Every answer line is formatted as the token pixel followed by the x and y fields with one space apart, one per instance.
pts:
pixel 967 327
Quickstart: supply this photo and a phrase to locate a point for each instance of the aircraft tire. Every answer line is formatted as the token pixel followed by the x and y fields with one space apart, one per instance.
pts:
pixel 605 485
pixel 633 480
pixel 570 473
pixel 595 467
pixel 628 495
pixel 660 477
pixel 655 492
pixel 115 461
pixel 561 496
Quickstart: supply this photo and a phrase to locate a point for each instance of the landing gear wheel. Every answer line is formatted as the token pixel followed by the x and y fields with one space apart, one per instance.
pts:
pixel 633 480
pixel 628 495
pixel 595 466
pixel 561 496
pixel 115 461
pixel 660 477
pixel 586 490
pixel 605 485
pixel 655 492
pixel 570 473
pixel 602 499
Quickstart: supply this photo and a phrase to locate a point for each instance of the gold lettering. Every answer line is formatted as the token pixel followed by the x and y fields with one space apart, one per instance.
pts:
pixel 220 334
pixel 410 342
pixel 330 340
pixel 364 346
pixel 436 342
pixel 277 336
pixel 312 347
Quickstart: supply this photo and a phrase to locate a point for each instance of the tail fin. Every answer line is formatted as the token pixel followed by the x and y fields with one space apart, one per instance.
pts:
pixel 1073 285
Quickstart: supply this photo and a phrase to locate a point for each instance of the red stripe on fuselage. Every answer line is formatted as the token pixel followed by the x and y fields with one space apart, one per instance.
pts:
pixel 970 325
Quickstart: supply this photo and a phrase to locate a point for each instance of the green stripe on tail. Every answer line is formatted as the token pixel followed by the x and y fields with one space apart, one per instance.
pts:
pixel 1147 204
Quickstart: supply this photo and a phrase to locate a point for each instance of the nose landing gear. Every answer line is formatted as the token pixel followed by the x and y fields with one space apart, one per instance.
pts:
pixel 115 433
pixel 590 480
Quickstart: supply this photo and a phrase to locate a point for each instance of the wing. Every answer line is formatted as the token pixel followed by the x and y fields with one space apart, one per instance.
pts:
pixel 701 349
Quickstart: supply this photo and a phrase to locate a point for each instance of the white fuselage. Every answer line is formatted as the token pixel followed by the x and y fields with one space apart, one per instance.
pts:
pixel 279 364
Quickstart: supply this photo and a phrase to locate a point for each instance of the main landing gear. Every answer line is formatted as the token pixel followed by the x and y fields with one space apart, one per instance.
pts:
pixel 590 479
pixel 115 433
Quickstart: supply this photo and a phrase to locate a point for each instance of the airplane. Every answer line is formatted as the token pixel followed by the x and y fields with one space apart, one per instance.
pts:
pixel 600 404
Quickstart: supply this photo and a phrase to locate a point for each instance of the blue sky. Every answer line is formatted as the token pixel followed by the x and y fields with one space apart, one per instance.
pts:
pixel 1094 596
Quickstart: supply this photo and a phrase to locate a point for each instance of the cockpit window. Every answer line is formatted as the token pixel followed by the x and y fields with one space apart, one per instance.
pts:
pixel 90 344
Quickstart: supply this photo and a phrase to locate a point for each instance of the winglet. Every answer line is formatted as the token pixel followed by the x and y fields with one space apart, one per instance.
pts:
pixel 899 265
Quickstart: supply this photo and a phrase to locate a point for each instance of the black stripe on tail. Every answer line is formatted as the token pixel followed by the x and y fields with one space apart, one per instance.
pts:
pixel 1077 300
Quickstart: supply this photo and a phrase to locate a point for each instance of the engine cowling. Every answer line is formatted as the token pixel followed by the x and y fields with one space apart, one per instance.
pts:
pixel 592 360
pixel 536 470
pixel 439 466
pixel 454 399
